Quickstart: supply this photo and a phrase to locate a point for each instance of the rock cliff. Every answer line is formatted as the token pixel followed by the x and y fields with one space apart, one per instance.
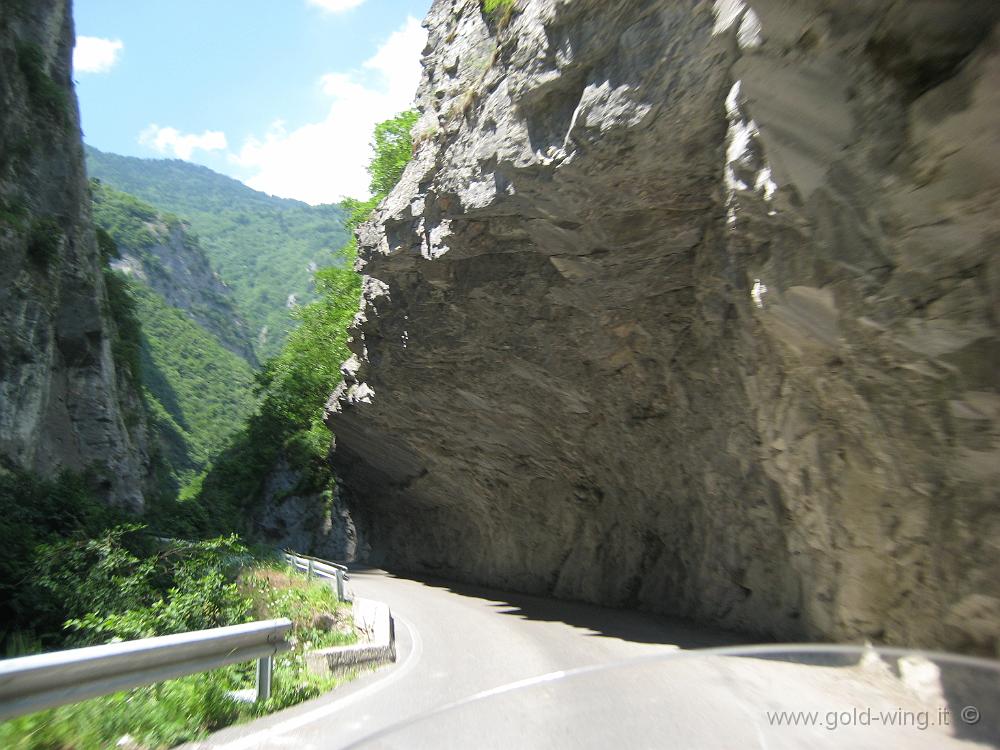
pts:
pixel 63 403
pixel 694 307
pixel 295 514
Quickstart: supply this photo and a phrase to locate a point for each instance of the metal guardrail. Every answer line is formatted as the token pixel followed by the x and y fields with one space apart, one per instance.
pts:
pixel 313 566
pixel 33 683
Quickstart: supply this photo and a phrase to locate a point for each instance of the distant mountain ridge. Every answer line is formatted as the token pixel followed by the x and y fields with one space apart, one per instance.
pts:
pixel 265 248
pixel 173 180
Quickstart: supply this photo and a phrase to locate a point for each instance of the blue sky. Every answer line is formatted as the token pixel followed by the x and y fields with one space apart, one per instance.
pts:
pixel 282 94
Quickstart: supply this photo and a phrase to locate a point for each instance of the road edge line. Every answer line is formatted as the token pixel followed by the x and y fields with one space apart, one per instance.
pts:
pixel 254 740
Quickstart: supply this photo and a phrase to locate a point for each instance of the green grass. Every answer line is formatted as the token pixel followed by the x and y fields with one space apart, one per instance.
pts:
pixel 164 715
pixel 501 11
pixel 278 591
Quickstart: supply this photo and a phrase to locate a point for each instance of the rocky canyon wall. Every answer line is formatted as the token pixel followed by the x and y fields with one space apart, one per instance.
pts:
pixel 63 403
pixel 693 307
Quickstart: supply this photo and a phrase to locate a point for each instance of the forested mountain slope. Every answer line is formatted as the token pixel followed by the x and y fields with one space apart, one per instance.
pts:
pixel 265 248
pixel 195 361
pixel 159 250
pixel 198 394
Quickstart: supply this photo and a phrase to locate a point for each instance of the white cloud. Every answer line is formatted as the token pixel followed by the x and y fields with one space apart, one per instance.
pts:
pixel 95 55
pixel 325 161
pixel 335 6
pixel 166 140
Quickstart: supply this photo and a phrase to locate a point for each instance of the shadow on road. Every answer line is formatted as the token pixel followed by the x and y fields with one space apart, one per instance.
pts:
pixel 628 625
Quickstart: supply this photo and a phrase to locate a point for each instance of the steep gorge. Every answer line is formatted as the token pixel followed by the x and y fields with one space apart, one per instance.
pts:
pixel 695 309
pixel 64 404
pixel 265 248
pixel 160 251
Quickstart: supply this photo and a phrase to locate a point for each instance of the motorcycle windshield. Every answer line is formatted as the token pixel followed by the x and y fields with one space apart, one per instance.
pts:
pixel 768 697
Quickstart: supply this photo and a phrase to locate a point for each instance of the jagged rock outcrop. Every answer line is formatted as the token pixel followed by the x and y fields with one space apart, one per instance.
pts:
pixel 694 308
pixel 294 514
pixel 63 403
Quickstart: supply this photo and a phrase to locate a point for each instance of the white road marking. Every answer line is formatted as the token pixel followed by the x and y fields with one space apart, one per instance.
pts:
pixel 259 739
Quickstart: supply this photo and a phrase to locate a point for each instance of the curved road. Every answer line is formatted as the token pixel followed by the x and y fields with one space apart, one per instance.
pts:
pixel 454 641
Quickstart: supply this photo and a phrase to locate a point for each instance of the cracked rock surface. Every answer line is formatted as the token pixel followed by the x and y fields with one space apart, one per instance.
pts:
pixel 694 307
pixel 63 402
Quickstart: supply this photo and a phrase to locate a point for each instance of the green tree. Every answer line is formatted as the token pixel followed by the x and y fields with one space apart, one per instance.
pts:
pixel 298 381
pixel 293 387
pixel 393 148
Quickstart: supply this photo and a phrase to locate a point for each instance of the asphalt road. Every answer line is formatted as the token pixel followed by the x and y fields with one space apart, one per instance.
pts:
pixel 454 641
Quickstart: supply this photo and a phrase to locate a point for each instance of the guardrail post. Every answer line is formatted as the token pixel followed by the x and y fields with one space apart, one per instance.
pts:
pixel 340 584
pixel 265 667
pixel 309 572
pixel 32 683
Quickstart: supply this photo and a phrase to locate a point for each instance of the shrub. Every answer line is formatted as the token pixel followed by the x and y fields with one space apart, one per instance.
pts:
pixel 117 587
pixel 393 151
pixel 45 94
pixel 167 714
pixel 44 240
pixel 106 245
pixel 35 512
pixel 126 346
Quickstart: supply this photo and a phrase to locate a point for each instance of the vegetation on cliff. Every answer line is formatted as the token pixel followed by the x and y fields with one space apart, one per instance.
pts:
pixel 266 248
pixel 47 97
pixel 162 250
pixel 295 385
pixel 197 391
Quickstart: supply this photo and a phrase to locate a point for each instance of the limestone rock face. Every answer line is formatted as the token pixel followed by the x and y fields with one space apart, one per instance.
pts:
pixel 693 307
pixel 299 518
pixel 63 405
